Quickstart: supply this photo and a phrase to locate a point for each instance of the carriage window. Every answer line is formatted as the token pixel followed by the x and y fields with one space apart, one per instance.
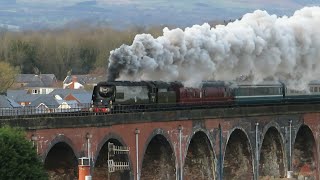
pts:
pixel 244 91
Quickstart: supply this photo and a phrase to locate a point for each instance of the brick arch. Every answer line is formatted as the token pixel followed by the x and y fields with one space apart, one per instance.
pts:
pixel 271 124
pixel 117 137
pixel 60 138
pixel 228 138
pixel 315 154
pixel 250 149
pixel 155 132
pixel 206 132
pixel 105 139
pixel 300 125
pixel 275 125
pixel 266 128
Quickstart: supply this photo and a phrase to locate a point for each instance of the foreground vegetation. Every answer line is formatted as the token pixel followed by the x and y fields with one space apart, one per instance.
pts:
pixel 18 157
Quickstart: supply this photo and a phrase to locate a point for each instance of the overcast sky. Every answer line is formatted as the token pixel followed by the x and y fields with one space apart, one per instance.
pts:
pixel 285 6
pixel 184 3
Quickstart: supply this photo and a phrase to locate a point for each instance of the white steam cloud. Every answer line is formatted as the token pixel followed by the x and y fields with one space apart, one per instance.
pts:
pixel 259 45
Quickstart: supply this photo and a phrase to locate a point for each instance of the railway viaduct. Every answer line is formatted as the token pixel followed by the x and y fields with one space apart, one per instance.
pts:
pixel 240 143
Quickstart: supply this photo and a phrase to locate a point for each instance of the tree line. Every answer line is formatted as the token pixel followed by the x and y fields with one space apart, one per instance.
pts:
pixel 80 49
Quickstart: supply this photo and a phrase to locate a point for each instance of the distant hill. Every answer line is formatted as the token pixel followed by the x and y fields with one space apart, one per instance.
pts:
pixel 37 14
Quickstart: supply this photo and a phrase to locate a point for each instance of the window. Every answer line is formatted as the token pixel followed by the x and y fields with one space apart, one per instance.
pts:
pixel 34 91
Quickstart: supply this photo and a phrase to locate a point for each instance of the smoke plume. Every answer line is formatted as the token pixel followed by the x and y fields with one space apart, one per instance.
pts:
pixel 259 46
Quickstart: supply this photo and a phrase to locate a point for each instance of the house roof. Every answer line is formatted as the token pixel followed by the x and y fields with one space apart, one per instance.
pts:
pixel 33 80
pixel 48 100
pixel 36 84
pixel 64 92
pixel 27 97
pixel 52 102
pixel 83 98
pixel 6 102
pixel 13 94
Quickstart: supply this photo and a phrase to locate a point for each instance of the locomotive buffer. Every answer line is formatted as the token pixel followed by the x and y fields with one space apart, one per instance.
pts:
pixel 117 151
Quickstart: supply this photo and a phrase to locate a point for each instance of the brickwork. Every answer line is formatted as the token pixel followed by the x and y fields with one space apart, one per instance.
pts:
pixel 231 148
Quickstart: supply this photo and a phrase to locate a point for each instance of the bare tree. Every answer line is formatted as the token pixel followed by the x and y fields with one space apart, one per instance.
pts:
pixel 7 76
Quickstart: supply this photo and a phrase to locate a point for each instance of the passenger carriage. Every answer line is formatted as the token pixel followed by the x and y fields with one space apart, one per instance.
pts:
pixel 312 94
pixel 264 93
pixel 210 93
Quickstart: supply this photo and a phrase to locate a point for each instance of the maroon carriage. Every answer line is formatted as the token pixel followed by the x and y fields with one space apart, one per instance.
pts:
pixel 210 93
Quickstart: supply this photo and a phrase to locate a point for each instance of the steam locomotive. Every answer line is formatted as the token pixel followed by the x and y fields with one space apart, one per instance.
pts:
pixel 131 96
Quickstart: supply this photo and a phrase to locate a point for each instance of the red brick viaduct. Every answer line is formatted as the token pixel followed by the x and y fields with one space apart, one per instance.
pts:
pixel 226 143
